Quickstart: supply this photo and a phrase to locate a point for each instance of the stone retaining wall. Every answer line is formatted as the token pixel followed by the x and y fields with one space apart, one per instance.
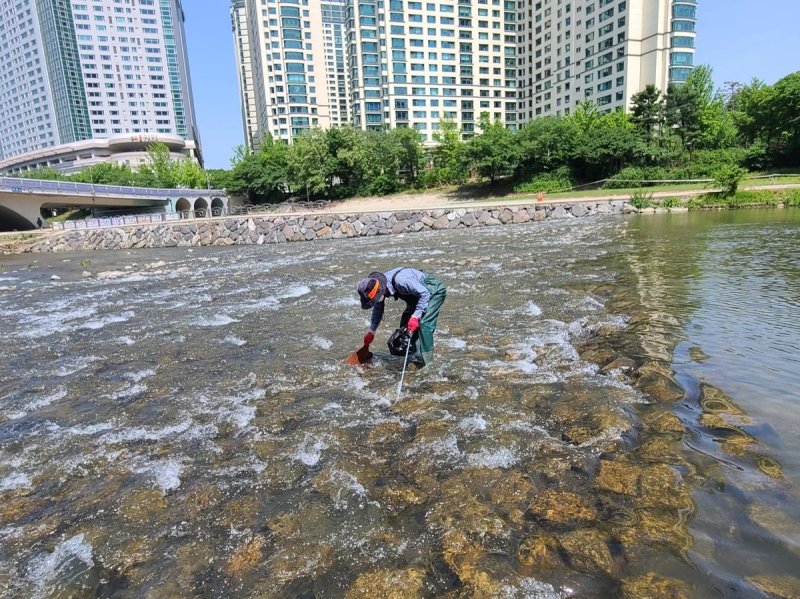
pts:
pixel 260 229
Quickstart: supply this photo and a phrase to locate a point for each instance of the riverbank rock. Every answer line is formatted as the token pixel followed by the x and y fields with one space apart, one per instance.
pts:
pixel 389 584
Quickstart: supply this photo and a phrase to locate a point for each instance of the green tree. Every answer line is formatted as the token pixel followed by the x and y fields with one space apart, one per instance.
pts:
pixel 159 170
pixel 546 144
pixel 585 117
pixel 682 111
pixel 450 160
pixel 262 175
pixel 494 151
pixel 409 152
pixel 310 165
pixel 219 178
pixel 647 111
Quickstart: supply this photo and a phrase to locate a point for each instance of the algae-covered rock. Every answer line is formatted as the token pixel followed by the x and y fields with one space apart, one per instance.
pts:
pixel 587 551
pixel 386 433
pixel 782 587
pixel 397 498
pixel 660 450
pixel 599 355
pixel 539 551
pixel 664 422
pixel 201 499
pixel 143 506
pixel 15 509
pixel 618 477
pixel 623 363
pixel 652 586
pixel 660 386
pixel 389 584
pixel 714 401
pixel 770 466
pixel 241 512
pixel 303 560
pixel 246 557
pixel 562 507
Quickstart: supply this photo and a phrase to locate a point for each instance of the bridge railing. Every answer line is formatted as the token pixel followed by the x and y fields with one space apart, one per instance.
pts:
pixel 18 185
pixel 136 219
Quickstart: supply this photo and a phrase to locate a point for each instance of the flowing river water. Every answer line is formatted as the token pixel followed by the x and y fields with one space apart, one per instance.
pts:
pixel 186 424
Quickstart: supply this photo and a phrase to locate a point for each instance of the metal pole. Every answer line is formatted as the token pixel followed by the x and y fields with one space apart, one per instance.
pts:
pixel 402 376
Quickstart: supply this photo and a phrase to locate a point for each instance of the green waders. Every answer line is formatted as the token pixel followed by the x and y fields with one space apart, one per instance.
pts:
pixel 427 324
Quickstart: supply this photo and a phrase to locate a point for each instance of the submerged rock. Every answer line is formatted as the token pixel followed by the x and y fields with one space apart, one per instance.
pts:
pixel 246 557
pixel 782 587
pixel 540 551
pixel 587 551
pixel 653 586
pixel 562 507
pixel 656 381
pixel 389 584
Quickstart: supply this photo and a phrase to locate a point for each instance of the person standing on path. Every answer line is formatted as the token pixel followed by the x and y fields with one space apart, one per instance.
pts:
pixel 423 294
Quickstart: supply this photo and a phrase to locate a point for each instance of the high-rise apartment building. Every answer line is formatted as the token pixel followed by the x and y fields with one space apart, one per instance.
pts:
pixel 85 81
pixel 601 50
pixel 297 64
pixel 414 63
pixel 244 70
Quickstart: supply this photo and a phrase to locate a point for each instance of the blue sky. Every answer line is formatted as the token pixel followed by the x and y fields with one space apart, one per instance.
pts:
pixel 740 39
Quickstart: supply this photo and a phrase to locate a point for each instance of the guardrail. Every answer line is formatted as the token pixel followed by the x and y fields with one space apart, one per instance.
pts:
pixel 137 219
pixel 17 185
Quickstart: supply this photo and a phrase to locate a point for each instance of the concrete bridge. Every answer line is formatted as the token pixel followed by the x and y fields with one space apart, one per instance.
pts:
pixel 21 200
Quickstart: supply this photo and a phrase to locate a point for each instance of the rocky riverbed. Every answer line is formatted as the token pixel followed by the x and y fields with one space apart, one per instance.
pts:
pixel 181 421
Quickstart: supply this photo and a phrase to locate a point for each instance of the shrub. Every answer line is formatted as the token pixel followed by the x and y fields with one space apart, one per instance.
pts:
pixel 558 180
pixel 641 199
pixel 382 185
pixel 636 176
pixel 671 202
pixel 728 177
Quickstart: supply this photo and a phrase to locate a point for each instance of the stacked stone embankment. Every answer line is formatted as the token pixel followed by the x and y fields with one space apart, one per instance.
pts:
pixel 283 228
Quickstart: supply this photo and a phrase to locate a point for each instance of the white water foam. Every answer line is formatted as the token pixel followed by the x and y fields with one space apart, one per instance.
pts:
pixel 41 402
pixel 128 392
pixel 106 320
pixel 47 567
pixel 73 365
pixel 310 451
pixel 166 473
pixel 17 480
pixel 487 458
pixel 321 342
pixel 218 320
pixel 295 291
pixel 532 309
pixel 455 343
pixel 473 424
pixel 140 433
pixel 233 340
pixel 139 375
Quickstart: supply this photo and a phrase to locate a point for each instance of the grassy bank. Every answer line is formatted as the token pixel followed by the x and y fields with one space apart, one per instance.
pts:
pixel 749 197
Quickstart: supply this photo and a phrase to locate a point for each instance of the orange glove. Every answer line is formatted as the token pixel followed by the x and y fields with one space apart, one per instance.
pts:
pixel 369 338
pixel 413 324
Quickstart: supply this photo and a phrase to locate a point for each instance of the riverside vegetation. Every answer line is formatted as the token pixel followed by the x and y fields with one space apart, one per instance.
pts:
pixel 688 132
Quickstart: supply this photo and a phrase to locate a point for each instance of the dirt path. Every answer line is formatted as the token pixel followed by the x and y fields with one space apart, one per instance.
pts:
pixel 454 199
